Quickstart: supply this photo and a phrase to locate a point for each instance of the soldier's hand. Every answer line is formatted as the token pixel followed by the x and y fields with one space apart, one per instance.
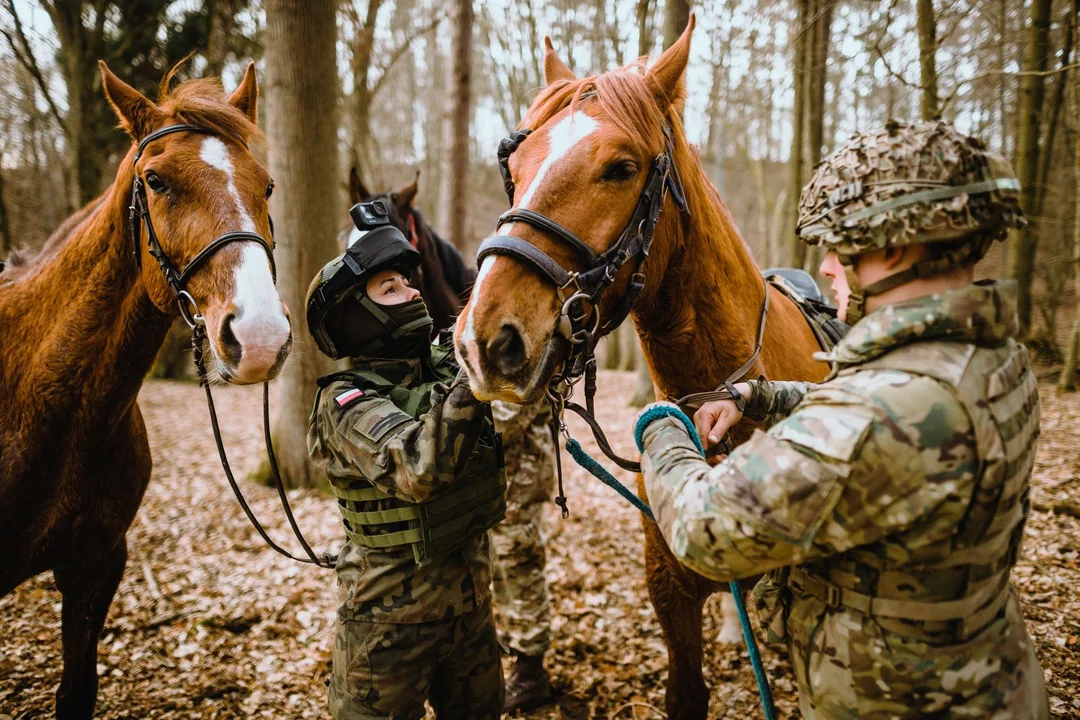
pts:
pixel 714 419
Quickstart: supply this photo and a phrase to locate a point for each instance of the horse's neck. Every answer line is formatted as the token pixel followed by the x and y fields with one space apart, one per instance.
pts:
pixel 89 323
pixel 701 322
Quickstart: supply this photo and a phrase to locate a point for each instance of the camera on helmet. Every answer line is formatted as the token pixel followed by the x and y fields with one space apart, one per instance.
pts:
pixel 370 215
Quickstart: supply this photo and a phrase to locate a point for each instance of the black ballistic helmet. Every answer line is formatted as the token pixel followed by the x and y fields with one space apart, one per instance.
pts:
pixel 381 246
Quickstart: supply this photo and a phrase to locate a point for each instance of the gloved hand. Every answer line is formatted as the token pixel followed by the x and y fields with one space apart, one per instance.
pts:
pixel 657 410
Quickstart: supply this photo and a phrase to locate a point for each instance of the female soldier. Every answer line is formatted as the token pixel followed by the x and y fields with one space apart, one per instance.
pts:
pixel 416 465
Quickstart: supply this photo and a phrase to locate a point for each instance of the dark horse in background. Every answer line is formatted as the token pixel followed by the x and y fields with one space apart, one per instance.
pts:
pixel 80 325
pixel 445 279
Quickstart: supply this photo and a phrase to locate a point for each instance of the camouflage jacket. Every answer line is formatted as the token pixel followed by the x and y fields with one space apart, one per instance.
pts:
pixel 372 441
pixel 887 508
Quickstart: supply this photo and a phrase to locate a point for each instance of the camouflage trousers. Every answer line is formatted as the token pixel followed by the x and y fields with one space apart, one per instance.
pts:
pixel 384 670
pixel 522 601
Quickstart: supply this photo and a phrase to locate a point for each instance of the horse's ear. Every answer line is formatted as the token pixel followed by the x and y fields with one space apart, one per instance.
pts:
pixel 138 116
pixel 404 197
pixel 357 191
pixel 554 68
pixel 246 97
pixel 667 77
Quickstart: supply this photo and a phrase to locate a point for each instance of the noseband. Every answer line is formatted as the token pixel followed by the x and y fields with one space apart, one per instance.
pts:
pixel 139 214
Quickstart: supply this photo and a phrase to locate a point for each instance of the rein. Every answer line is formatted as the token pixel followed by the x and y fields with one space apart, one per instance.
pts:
pixel 139 215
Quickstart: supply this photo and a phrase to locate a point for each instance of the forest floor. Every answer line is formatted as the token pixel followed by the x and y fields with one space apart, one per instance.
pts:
pixel 210 623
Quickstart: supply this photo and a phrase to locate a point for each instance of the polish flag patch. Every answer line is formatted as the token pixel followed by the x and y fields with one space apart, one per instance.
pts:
pixel 348 397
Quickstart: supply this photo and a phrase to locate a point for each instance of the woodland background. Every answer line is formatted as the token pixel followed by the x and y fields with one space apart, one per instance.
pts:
pixel 393 87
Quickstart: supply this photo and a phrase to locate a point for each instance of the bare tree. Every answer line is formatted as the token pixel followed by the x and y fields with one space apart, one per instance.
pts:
pixel 644 15
pixel 457 142
pixel 1067 381
pixel 222 21
pixel 927 24
pixel 795 161
pixel 676 15
pixel 302 130
pixel 1023 243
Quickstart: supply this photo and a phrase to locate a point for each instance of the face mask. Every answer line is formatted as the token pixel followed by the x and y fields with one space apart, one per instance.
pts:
pixel 411 337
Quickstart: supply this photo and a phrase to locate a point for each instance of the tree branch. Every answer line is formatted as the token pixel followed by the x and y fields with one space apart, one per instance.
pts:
pixel 27 60
pixel 399 51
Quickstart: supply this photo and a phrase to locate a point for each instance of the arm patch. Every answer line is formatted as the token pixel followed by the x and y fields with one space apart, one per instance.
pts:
pixel 375 424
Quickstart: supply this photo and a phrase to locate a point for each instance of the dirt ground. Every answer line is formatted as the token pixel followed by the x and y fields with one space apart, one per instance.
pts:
pixel 209 623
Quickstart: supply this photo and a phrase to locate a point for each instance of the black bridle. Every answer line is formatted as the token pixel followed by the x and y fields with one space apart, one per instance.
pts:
pixel 139 216
pixel 580 293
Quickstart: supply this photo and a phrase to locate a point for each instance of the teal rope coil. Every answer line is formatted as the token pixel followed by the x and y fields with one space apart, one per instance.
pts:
pixel 598 471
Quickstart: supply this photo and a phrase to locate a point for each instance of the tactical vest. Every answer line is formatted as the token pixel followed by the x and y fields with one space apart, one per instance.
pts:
pixel 971 567
pixel 475 503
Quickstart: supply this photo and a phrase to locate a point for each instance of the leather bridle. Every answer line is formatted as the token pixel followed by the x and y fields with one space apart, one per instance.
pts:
pixel 138 216
pixel 580 293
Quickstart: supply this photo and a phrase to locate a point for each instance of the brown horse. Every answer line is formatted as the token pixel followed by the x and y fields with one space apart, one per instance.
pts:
pixel 445 280
pixel 584 166
pixel 80 326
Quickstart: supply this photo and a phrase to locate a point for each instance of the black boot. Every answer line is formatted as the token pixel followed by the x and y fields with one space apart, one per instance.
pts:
pixel 527 687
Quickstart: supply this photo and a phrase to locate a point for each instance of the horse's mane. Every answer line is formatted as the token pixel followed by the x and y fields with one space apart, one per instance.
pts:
pixel 628 98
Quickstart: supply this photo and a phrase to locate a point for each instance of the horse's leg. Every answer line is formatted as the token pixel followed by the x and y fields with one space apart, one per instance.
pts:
pixel 678 596
pixel 88 589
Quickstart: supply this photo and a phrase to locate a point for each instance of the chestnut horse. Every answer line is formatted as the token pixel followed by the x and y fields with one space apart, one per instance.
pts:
pixel 445 280
pixel 584 166
pixel 81 324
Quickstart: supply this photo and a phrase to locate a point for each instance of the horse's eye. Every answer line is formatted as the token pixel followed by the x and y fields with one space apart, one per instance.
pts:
pixel 269 189
pixel 620 171
pixel 155 183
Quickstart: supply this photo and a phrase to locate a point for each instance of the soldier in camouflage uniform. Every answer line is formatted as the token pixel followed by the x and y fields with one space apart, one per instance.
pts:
pixel 886 504
pixel 522 602
pixel 416 465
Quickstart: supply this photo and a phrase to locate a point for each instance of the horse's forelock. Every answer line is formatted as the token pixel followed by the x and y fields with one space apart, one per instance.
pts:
pixel 203 103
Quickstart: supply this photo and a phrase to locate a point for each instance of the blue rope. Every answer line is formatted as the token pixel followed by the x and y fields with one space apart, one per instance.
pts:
pixel 600 473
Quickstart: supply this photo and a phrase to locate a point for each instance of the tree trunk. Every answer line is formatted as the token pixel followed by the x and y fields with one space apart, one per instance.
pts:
pixel 927 24
pixel 676 16
pixel 363 47
pixel 628 340
pixel 222 13
pixel 1067 381
pixel 302 123
pixel 457 139
pixel 818 75
pixel 795 161
pixel 1023 243
pixel 645 393
pixel 644 31
pixel 1046 157
pixel 5 230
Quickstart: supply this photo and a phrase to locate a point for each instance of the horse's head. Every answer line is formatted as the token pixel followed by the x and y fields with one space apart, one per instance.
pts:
pixel 586 165
pixel 398 202
pixel 198 185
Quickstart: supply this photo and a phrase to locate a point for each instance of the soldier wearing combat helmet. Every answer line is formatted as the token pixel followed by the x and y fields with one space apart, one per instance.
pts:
pixel 417 468
pixel 886 504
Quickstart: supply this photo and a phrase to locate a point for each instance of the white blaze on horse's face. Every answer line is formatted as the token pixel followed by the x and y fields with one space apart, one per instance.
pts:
pixel 564 138
pixel 255 328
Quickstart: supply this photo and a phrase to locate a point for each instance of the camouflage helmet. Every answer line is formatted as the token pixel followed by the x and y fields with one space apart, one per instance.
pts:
pixel 381 248
pixel 909 183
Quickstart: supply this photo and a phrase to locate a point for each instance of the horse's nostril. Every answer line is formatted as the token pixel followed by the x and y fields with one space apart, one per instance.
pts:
pixel 229 345
pixel 507 349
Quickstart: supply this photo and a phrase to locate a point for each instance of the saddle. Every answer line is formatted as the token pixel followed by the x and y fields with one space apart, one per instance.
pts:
pixel 798 285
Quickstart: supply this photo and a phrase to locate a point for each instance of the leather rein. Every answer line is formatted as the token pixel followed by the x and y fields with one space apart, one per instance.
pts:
pixel 138 216
pixel 580 293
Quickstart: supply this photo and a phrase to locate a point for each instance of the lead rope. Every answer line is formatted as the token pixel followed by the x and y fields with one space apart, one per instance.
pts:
pixel 327 560
pixel 598 471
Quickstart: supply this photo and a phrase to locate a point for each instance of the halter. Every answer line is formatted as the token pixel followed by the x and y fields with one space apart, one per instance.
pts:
pixel 139 214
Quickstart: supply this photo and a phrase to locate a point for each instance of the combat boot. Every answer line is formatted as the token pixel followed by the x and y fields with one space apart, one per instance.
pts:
pixel 528 686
